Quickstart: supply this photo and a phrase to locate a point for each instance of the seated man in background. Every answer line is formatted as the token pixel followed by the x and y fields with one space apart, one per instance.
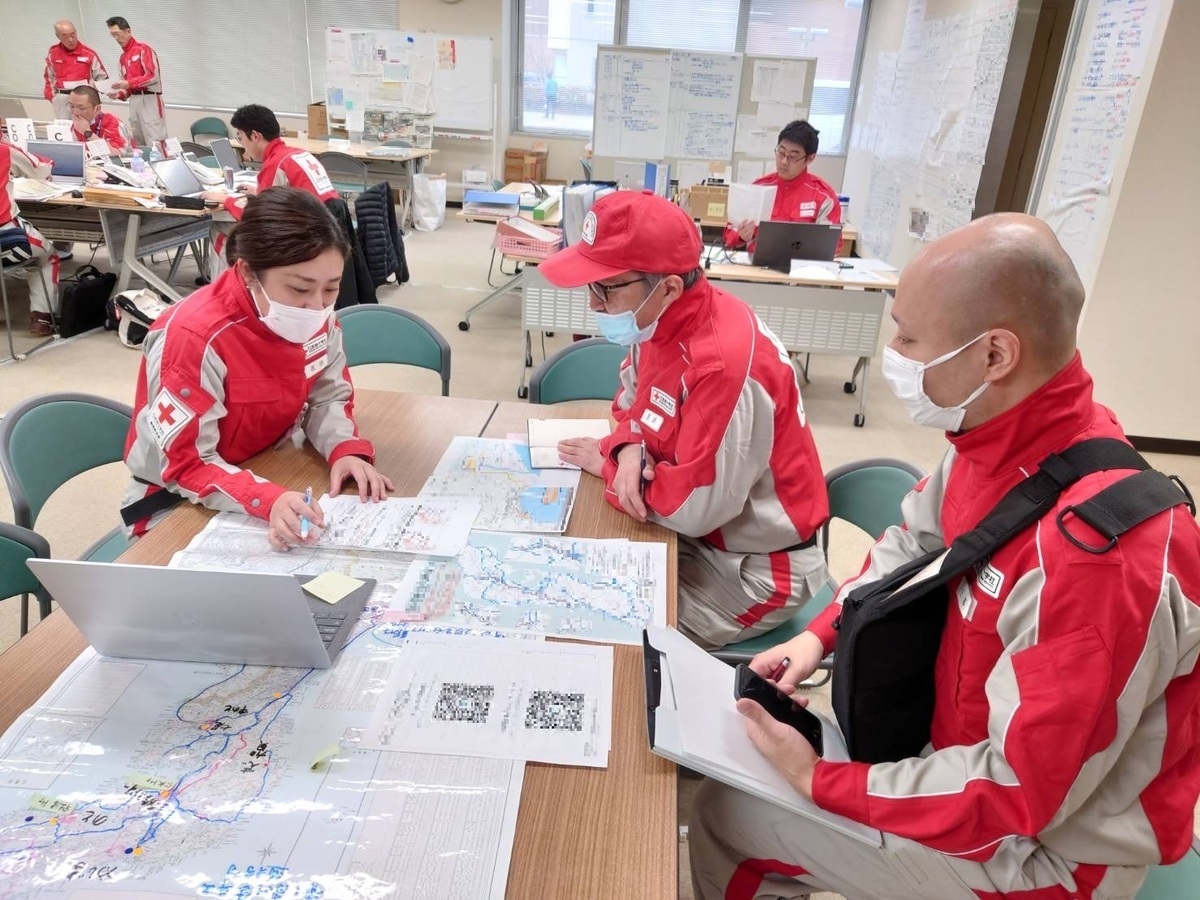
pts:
pixel 258 132
pixel 19 239
pixel 800 195
pixel 89 122
pixel 710 402
pixel 1063 757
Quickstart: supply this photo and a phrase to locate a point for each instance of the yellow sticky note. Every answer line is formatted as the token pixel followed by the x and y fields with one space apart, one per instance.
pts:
pixel 332 586
pixel 324 754
pixel 150 782
pixel 50 804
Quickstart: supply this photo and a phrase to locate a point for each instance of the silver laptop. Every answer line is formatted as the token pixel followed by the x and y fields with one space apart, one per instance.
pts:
pixel 152 612
pixel 227 157
pixel 66 159
pixel 778 243
pixel 11 108
pixel 177 178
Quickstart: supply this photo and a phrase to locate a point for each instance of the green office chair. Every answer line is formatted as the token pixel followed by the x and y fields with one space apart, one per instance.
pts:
pixel 210 161
pixel 17 545
pixel 584 370
pixel 384 334
pixel 210 126
pixel 46 441
pixel 349 175
pixel 1177 881
pixel 866 494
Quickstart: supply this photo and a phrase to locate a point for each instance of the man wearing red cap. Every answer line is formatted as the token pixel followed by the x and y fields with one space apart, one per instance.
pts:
pixel 710 401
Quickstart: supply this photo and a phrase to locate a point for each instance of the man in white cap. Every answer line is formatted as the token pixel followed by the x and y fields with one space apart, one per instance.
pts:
pixel 710 402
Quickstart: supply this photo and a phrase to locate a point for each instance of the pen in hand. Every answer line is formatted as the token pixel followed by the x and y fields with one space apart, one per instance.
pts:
pixel 778 671
pixel 642 470
pixel 304 526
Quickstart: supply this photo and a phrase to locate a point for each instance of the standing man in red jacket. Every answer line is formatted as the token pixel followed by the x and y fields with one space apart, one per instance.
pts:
pixel 140 84
pixel 800 195
pixel 69 63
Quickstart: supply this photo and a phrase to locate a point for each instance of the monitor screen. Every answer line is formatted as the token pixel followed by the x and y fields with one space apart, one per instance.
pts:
pixel 66 158
pixel 176 177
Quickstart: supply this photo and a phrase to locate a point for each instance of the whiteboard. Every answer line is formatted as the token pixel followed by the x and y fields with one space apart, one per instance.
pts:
pixel 418 72
pixel 697 109
pixel 1095 108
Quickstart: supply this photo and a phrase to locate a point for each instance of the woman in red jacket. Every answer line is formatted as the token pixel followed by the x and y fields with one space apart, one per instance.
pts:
pixel 244 364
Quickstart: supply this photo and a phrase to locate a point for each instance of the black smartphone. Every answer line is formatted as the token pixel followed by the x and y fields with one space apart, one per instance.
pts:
pixel 750 685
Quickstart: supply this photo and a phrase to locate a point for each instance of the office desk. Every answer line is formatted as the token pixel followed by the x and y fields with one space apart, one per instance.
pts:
pixel 580 832
pixel 410 160
pixel 129 233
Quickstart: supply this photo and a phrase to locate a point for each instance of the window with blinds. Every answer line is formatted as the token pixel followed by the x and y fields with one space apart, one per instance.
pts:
pixel 219 54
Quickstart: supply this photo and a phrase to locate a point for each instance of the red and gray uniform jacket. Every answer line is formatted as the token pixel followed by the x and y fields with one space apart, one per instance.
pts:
pixel 715 397
pixel 1067 709
pixel 109 128
pixel 806 198
pixel 17 163
pixel 139 67
pixel 217 386
pixel 81 65
pixel 288 167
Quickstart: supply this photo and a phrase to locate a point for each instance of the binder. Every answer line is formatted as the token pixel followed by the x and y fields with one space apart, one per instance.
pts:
pixel 691 719
pixel 491 203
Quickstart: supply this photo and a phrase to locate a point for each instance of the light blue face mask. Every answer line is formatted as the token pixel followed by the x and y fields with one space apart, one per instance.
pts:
pixel 621 328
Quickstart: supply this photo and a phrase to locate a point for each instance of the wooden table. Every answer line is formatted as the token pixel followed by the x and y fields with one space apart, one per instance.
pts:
pixel 613 830
pixel 581 832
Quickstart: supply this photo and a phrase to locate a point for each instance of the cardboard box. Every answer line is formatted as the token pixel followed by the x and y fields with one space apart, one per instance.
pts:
pixel 708 203
pixel 318 120
pixel 525 165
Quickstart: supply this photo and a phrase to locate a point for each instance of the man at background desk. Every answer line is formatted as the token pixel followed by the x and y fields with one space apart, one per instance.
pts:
pixel 711 438
pixel 21 240
pixel 69 63
pixel 141 84
pixel 89 122
pixel 800 195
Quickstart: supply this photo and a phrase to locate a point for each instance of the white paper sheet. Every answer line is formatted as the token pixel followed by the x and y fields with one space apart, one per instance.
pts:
pixel 545 435
pixel 432 527
pixel 543 702
pixel 750 201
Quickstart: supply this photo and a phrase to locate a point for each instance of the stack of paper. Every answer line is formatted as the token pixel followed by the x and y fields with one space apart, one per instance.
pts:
pixel 491 203
pixel 752 202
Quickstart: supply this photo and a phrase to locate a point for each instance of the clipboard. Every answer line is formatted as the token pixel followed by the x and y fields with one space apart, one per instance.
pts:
pixel 692 720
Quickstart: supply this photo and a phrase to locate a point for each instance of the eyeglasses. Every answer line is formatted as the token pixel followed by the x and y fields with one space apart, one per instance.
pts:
pixel 601 291
pixel 792 158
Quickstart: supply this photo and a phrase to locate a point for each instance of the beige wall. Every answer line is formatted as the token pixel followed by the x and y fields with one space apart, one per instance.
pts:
pixel 1141 325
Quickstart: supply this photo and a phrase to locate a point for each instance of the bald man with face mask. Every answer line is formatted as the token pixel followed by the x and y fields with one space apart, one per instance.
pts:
pixel 1062 758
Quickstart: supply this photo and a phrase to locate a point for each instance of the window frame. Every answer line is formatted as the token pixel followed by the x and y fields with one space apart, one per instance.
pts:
pixel 621 39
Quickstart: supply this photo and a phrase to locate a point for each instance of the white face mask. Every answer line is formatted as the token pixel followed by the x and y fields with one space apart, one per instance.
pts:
pixel 294 324
pixel 907 380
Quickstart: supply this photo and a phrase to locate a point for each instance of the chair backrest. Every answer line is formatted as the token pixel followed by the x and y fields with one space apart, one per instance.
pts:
pixel 385 334
pixel 193 147
pixel 868 493
pixel 343 166
pixel 18 544
pixel 587 168
pixel 46 441
pixel 1176 881
pixel 585 370
pixel 210 125
pixel 210 161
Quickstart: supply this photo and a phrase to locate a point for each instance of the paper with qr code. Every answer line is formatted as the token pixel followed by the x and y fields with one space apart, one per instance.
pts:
pixel 543 702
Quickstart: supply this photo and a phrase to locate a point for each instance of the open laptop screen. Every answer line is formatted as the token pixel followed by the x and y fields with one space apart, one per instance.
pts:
pixel 226 156
pixel 176 177
pixel 66 158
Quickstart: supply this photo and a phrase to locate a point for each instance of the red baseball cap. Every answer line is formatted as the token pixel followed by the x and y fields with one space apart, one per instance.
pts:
pixel 627 231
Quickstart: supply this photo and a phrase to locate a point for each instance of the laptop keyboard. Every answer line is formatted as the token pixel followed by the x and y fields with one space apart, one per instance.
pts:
pixel 329 624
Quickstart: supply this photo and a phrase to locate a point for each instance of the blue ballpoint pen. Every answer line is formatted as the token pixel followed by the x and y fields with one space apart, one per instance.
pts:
pixel 304 519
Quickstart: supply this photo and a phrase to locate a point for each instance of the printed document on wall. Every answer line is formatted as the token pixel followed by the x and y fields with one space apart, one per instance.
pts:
pixel 547 702
pixel 631 104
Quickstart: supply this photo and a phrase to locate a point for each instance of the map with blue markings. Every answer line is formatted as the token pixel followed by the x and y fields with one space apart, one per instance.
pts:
pixel 515 496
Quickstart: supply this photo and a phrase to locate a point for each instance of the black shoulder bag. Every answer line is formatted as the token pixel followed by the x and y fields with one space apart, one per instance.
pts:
pixel 889 631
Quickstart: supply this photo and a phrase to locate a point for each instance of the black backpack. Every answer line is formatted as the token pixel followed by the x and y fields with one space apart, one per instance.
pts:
pixel 84 299
pixel 889 631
